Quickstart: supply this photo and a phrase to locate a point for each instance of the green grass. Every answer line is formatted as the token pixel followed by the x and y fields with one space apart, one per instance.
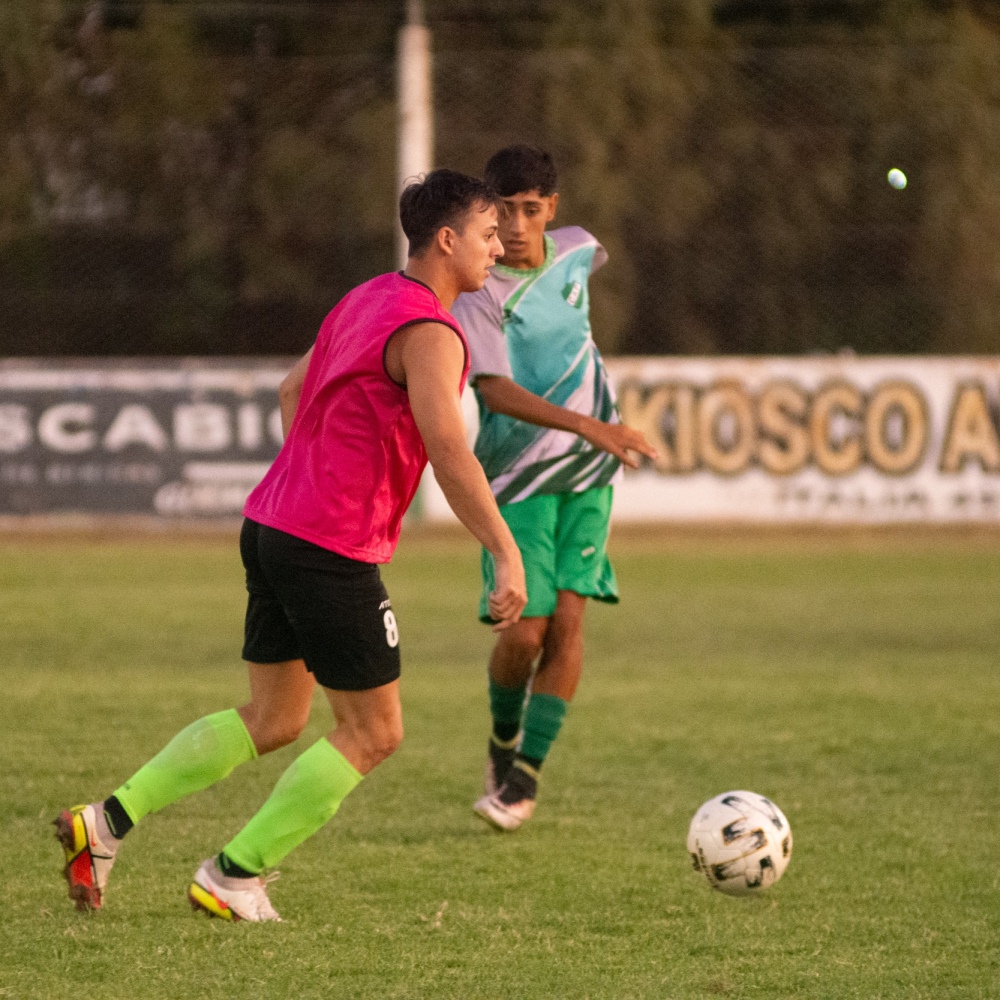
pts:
pixel 852 678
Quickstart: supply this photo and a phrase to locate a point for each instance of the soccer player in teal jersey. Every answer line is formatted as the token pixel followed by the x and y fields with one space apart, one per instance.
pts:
pixel 551 444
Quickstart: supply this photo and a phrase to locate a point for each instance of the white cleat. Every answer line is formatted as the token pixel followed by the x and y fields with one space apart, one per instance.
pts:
pixel 219 895
pixel 502 816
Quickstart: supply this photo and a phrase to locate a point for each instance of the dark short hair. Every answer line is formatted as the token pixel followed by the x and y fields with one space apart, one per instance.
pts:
pixel 442 198
pixel 519 168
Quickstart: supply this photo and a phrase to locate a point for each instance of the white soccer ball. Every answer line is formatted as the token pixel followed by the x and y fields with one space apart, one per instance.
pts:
pixel 741 842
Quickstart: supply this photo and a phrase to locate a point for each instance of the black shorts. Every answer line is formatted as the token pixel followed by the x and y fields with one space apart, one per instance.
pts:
pixel 309 603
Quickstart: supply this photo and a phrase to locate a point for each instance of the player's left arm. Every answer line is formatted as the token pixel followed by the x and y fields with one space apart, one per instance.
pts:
pixel 503 395
pixel 290 391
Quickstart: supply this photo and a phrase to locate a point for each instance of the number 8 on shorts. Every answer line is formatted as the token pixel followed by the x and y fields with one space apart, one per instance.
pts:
pixel 391 629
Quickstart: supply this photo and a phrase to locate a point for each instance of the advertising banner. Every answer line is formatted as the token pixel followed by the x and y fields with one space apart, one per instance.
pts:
pixel 832 439
pixel 175 437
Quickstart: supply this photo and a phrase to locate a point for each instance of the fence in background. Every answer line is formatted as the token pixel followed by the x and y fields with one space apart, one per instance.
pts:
pixel 209 179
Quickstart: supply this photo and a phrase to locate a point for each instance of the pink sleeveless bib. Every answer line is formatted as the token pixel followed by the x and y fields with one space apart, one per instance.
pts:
pixel 353 457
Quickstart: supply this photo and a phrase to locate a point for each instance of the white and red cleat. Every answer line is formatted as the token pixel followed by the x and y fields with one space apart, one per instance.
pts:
pixel 88 857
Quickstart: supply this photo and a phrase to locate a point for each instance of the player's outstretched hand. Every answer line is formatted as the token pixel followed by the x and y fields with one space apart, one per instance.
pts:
pixel 620 440
pixel 508 599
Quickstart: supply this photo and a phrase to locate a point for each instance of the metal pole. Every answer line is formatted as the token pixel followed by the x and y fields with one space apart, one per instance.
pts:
pixel 415 154
pixel 415 151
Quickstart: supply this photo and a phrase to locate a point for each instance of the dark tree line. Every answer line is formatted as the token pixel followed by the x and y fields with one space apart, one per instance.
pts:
pixel 209 178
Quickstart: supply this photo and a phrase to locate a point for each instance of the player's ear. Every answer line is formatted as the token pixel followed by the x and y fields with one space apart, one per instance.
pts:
pixel 553 203
pixel 445 240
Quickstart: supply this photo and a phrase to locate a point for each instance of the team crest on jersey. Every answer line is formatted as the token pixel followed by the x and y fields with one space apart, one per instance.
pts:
pixel 573 294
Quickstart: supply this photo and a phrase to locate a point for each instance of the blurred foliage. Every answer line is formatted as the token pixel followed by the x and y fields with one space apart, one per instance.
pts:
pixel 184 177
pixel 179 186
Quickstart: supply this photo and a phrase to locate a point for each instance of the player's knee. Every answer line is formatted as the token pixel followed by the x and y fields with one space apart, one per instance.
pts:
pixel 389 738
pixel 273 734
pixel 527 643
pixel 381 740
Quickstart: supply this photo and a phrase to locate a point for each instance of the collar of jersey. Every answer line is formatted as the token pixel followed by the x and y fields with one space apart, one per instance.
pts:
pixel 525 274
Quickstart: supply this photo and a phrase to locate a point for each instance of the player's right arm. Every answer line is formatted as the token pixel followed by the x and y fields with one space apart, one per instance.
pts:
pixel 503 395
pixel 481 316
pixel 427 359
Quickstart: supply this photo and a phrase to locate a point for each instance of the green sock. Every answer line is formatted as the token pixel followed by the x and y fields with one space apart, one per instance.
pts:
pixel 506 705
pixel 543 719
pixel 195 758
pixel 305 797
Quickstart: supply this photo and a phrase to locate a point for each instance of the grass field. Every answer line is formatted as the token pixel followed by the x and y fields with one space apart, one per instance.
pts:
pixel 851 677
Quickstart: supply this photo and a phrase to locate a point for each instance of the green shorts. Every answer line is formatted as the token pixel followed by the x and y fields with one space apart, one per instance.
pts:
pixel 563 541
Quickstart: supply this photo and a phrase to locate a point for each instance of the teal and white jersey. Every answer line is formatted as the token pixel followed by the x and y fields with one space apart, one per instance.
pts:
pixel 534 327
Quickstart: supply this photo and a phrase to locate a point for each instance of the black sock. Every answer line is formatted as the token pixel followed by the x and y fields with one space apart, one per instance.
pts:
pixel 118 820
pixel 231 869
pixel 504 732
pixel 519 784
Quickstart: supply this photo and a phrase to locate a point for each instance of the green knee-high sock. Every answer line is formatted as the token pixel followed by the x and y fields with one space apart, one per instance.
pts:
pixel 195 758
pixel 305 797
pixel 506 706
pixel 543 719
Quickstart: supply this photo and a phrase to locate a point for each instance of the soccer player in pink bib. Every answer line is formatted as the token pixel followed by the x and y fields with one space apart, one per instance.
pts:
pixel 376 397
